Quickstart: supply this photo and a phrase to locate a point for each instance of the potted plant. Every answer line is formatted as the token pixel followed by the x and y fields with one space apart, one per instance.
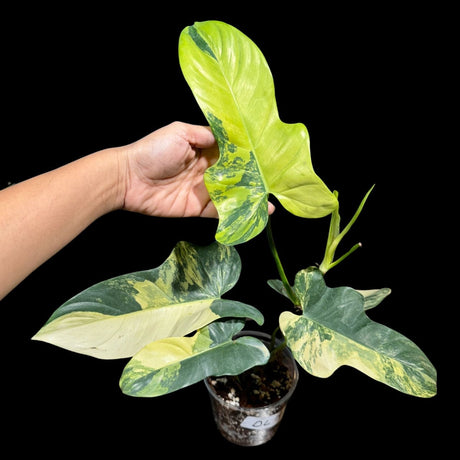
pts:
pixel 174 322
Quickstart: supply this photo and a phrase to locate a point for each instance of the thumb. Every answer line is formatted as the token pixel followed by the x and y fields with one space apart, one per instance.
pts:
pixel 200 136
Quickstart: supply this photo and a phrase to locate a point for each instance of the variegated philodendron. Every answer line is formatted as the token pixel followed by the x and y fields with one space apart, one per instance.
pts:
pixel 118 317
pixel 171 364
pixel 259 154
pixel 334 330
pixel 172 320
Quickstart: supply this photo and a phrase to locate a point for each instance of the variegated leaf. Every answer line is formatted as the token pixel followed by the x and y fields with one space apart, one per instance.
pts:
pixel 334 330
pixel 373 297
pixel 259 154
pixel 118 317
pixel 170 364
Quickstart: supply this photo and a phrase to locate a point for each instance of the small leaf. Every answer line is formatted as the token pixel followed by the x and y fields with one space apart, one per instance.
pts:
pixel 170 364
pixel 118 317
pixel 278 286
pixel 334 331
pixel 259 154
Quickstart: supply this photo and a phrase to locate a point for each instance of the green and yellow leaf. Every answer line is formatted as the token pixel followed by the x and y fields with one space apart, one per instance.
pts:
pixel 259 154
pixel 334 330
pixel 170 364
pixel 373 297
pixel 118 317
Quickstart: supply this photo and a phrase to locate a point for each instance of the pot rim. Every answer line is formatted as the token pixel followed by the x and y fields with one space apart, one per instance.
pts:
pixel 295 375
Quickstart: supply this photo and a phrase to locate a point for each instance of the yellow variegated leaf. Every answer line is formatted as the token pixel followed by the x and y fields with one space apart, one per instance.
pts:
pixel 170 364
pixel 120 336
pixel 117 317
pixel 259 154
pixel 334 331
pixel 372 297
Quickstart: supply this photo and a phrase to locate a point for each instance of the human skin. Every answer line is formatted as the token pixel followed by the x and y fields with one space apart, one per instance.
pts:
pixel 158 175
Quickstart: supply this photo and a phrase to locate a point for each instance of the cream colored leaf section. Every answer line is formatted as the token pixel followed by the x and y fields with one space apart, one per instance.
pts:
pixel 321 351
pixel 111 337
pixel 117 317
pixel 173 363
pixel 372 297
pixel 335 331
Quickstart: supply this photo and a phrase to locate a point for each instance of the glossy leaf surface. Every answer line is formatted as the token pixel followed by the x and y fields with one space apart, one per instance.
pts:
pixel 372 297
pixel 118 317
pixel 334 331
pixel 259 154
pixel 170 364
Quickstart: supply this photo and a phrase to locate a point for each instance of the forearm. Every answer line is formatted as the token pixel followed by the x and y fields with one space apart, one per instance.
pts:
pixel 41 215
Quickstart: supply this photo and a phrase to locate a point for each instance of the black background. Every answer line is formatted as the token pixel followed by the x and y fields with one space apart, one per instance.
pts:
pixel 367 83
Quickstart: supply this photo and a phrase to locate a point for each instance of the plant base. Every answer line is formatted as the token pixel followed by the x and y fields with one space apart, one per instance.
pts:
pixel 248 409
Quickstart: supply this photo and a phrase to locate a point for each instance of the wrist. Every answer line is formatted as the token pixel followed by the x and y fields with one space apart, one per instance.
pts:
pixel 106 178
pixel 121 163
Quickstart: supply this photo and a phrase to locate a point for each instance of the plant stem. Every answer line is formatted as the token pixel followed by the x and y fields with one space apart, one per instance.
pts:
pixel 278 349
pixel 273 338
pixel 290 292
pixel 274 350
pixel 353 249
pixel 335 237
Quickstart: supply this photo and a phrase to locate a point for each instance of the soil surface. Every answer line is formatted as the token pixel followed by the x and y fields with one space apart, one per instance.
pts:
pixel 256 387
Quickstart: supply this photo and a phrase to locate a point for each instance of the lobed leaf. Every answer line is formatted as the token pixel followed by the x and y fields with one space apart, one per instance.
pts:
pixel 334 331
pixel 170 364
pixel 119 316
pixel 259 154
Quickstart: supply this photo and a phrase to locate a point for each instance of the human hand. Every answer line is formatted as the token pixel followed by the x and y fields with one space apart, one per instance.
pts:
pixel 164 172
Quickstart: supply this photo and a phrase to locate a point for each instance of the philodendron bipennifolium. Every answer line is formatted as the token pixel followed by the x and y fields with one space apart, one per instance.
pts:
pixel 172 321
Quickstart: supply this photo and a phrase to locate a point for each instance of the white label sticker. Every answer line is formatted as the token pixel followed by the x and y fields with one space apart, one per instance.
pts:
pixel 260 423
